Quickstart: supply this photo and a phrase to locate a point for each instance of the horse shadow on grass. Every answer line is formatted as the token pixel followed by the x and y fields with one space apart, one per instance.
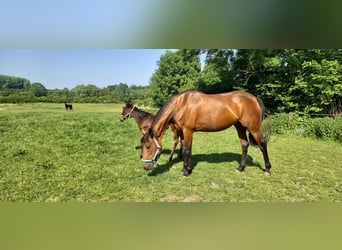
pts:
pixel 209 158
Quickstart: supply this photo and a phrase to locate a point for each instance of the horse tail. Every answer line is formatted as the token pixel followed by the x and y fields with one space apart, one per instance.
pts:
pixel 264 133
pixel 251 139
pixel 262 107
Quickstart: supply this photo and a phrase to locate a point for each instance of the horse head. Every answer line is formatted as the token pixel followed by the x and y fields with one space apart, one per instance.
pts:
pixel 126 111
pixel 150 149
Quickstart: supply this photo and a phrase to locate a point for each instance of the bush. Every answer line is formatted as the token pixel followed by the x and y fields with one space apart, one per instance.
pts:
pixel 324 128
pixel 305 126
pixel 278 123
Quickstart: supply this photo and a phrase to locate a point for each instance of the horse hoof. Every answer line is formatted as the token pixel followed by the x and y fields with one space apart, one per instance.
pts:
pixel 238 170
pixel 187 172
pixel 267 173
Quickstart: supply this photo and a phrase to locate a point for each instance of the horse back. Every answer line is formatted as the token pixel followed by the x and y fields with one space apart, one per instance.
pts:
pixel 215 112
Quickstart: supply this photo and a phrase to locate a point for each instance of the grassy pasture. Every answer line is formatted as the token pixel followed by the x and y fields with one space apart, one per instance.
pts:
pixel 48 154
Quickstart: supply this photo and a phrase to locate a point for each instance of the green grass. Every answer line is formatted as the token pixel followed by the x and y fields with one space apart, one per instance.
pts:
pixel 48 154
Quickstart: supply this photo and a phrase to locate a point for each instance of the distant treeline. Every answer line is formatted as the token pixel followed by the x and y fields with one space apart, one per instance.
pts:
pixel 21 90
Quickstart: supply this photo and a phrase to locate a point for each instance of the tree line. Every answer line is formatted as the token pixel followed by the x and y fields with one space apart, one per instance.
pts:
pixel 20 90
pixel 288 80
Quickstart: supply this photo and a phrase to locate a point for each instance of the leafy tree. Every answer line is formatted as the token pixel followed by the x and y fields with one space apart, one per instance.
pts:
pixel 38 89
pixel 86 90
pixel 122 92
pixel 263 73
pixel 319 84
pixel 11 82
pixel 304 80
pixel 139 95
pixel 217 76
pixel 177 71
pixel 85 93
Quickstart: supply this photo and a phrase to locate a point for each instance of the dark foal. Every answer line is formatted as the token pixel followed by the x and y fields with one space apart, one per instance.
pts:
pixel 144 121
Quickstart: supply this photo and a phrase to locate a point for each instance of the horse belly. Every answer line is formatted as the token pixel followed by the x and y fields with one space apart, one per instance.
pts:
pixel 207 114
pixel 214 121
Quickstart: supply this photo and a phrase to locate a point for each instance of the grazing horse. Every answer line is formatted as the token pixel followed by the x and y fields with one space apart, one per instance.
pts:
pixel 193 111
pixel 68 106
pixel 144 121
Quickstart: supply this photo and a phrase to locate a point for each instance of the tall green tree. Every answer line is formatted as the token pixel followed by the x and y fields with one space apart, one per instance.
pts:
pixel 122 92
pixel 12 82
pixel 217 75
pixel 38 89
pixel 261 72
pixel 177 71
pixel 304 80
pixel 318 85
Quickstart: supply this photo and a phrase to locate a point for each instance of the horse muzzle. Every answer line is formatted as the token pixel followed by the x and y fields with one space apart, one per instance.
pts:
pixel 122 118
pixel 147 165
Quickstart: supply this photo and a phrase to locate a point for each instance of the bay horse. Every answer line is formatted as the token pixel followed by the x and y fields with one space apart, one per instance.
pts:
pixel 192 111
pixel 144 121
pixel 68 106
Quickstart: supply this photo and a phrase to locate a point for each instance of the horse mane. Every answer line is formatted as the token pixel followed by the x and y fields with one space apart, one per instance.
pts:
pixel 141 113
pixel 170 109
pixel 165 111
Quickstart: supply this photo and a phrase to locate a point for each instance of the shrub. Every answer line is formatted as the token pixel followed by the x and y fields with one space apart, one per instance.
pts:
pixel 278 123
pixel 305 126
pixel 324 128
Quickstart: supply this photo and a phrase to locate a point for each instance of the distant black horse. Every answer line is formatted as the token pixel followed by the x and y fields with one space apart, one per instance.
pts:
pixel 68 106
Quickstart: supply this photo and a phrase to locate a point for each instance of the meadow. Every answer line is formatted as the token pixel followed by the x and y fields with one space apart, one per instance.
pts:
pixel 48 154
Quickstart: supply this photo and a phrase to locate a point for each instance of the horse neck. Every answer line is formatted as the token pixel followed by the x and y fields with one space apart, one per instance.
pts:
pixel 139 116
pixel 161 122
pixel 160 128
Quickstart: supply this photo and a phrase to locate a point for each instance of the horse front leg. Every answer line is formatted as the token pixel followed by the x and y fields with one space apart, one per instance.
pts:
pixel 187 148
pixel 181 148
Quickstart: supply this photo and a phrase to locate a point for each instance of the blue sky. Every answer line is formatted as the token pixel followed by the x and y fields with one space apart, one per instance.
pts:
pixel 59 68
pixel 74 23
pixel 63 43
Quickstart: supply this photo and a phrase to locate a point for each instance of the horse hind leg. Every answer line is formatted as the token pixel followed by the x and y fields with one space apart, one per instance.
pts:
pixel 264 151
pixel 261 142
pixel 174 146
pixel 176 135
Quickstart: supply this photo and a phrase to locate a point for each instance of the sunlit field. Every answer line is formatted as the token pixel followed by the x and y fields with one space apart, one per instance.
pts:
pixel 49 154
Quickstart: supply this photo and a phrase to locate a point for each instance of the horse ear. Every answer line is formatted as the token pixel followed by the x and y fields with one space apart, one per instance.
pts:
pixel 129 104
pixel 145 136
